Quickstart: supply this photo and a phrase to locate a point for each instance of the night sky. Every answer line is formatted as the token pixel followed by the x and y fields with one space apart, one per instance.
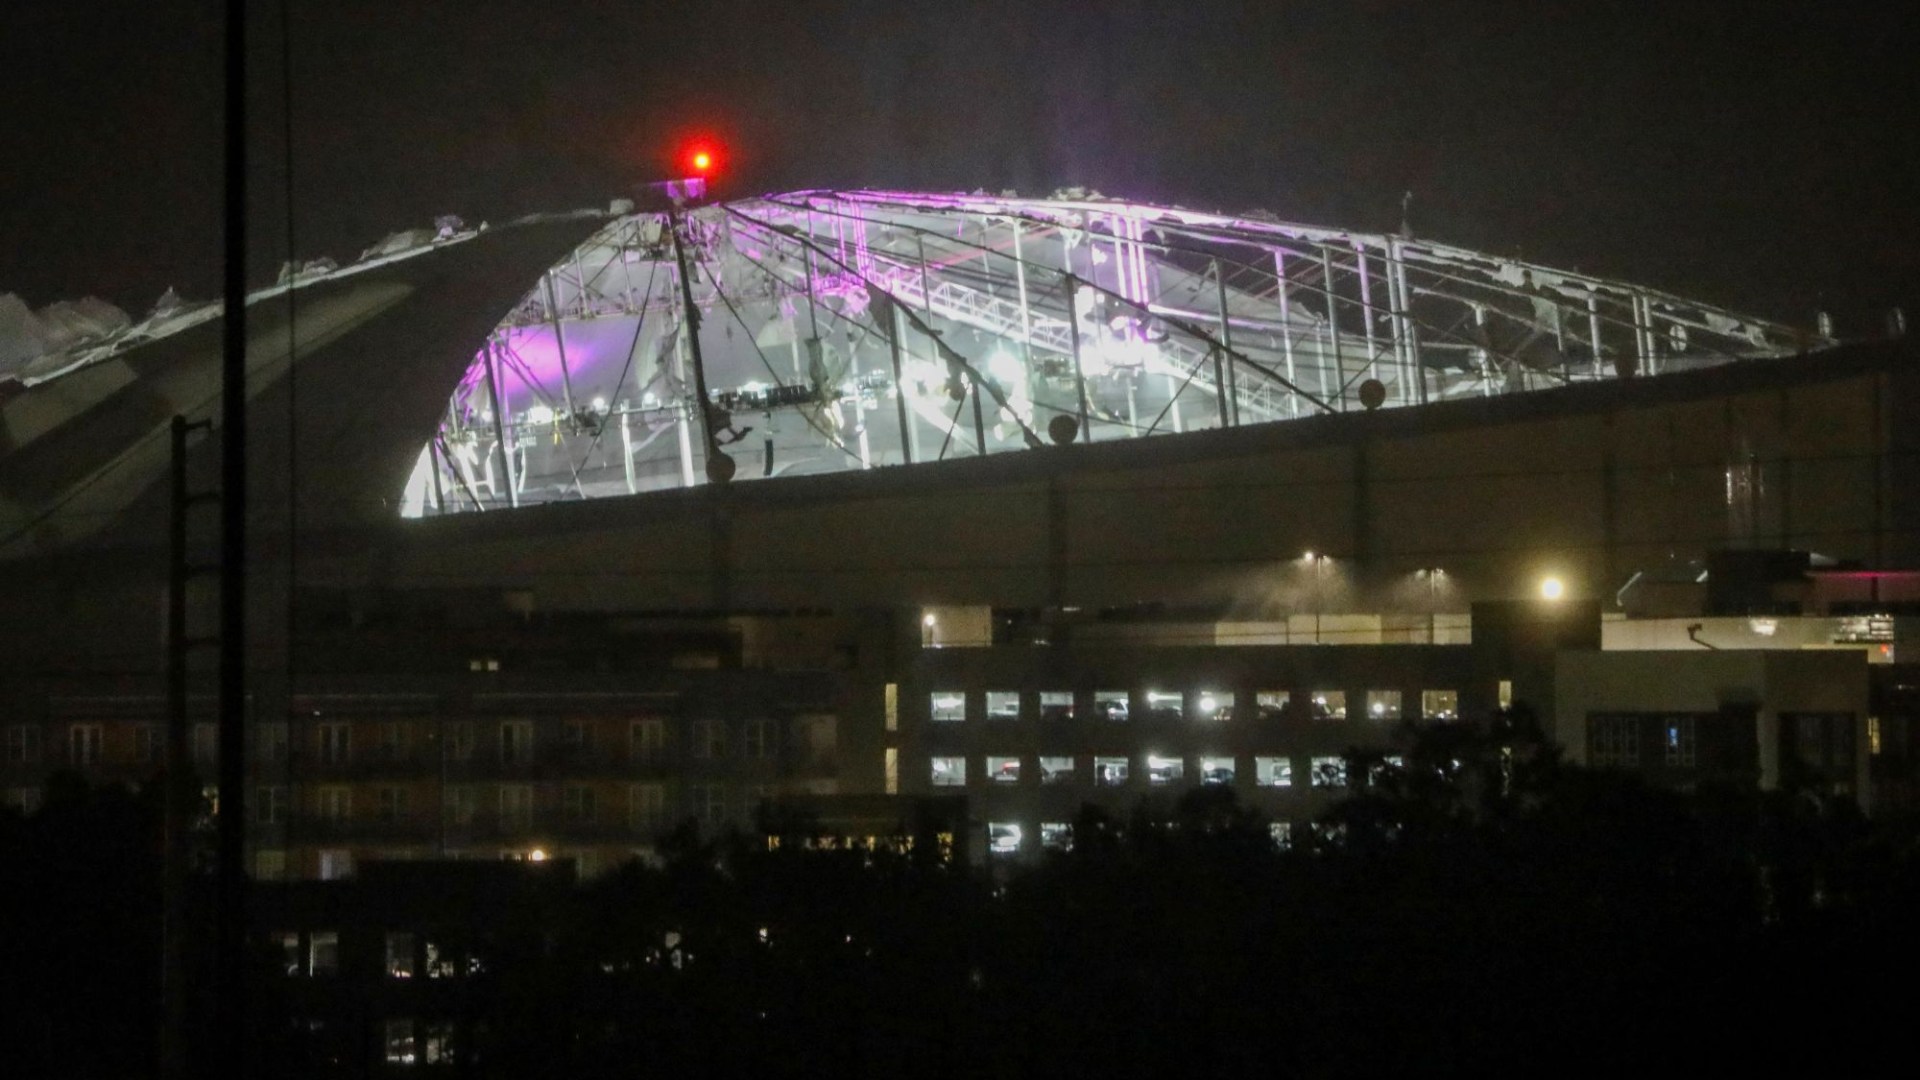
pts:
pixel 1761 154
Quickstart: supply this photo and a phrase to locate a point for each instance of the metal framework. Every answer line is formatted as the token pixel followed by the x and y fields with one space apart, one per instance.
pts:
pixel 840 330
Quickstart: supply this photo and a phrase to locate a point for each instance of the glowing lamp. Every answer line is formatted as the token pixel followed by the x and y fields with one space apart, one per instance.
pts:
pixel 702 161
pixel 1552 588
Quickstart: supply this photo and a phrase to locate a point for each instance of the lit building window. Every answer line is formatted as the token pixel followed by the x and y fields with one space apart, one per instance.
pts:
pixel 323 953
pixel 1329 704
pixel 270 864
pixel 1329 772
pixel 1003 770
pixel 1110 771
pixel 948 706
pixel 1680 742
pixel 890 702
pixel 1003 838
pixel 1440 704
pixel 1056 704
pixel 1506 693
pixel 1273 772
pixel 1056 835
pixel 1281 833
pixel 1217 770
pixel 399 1042
pixel 1003 704
pixel 399 955
pixel 1111 704
pixel 335 864
pixel 289 943
pixel 1165 770
pixel 1166 705
pixel 436 1043
pixel 892 766
pixel 1272 704
pixel 948 772
pixel 1056 770
pixel 1213 705
pixel 1383 704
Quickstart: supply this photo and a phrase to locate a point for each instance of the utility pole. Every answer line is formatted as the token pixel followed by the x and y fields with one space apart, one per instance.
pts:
pixel 177 795
pixel 231 932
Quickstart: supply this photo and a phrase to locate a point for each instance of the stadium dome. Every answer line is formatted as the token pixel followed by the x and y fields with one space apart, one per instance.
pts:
pixel 563 357
pixel 847 330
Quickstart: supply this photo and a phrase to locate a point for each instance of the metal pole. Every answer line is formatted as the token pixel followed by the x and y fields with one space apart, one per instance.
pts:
pixel 173 944
pixel 560 336
pixel 1486 357
pixel 433 473
pixel 1026 313
pixel 500 425
pixel 1223 359
pixel 1073 335
pixel 1286 329
pixel 1397 326
pixel 1593 328
pixel 1409 332
pixel 1333 337
pixel 1366 312
pixel 907 433
pixel 230 978
pixel 1642 342
pixel 626 445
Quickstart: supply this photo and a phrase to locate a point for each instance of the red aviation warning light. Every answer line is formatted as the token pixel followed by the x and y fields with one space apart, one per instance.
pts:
pixel 701 158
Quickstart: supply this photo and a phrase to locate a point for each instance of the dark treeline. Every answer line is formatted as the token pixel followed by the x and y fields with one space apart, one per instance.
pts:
pixel 1481 906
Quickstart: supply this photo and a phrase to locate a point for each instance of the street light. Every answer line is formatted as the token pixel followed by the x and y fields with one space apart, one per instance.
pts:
pixel 1552 588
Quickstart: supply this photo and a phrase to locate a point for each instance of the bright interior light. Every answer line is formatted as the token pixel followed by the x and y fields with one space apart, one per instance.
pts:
pixel 1005 368
pixel 1552 588
pixel 928 620
pixel 539 414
